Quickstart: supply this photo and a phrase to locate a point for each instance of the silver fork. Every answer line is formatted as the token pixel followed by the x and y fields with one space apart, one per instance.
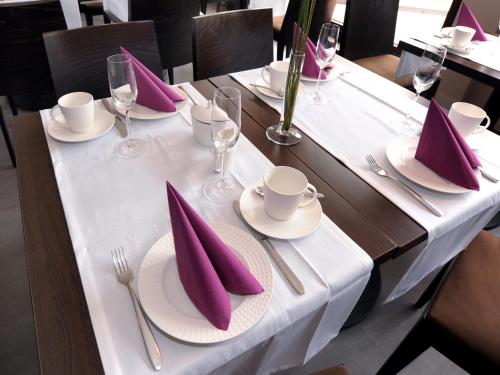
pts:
pixel 382 172
pixel 125 276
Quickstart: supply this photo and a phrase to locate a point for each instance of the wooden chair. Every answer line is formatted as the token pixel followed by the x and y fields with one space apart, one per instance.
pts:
pixel 463 320
pixel 24 69
pixel 336 370
pixel 452 13
pixel 172 20
pixel 90 9
pixel 283 25
pixel 229 5
pixel 367 37
pixel 232 41
pixel 77 57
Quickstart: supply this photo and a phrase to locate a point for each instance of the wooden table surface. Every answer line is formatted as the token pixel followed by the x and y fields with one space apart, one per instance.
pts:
pixel 65 338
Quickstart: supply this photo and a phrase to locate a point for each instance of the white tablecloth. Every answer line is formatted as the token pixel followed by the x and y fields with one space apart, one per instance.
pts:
pixel 354 123
pixel 110 202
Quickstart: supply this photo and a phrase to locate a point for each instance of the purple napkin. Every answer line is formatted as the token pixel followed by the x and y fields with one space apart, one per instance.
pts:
pixel 152 92
pixel 207 267
pixel 466 18
pixel 311 68
pixel 442 149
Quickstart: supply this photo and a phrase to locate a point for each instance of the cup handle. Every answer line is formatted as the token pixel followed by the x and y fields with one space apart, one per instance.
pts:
pixel 268 70
pixel 482 128
pixel 61 124
pixel 306 201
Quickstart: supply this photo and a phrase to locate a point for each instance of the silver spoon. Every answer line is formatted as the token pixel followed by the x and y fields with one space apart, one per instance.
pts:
pixel 260 191
pixel 280 93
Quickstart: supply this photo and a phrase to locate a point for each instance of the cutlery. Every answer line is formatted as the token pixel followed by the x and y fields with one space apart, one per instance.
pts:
pixel 260 191
pixel 382 172
pixel 122 129
pixel 487 175
pixel 280 93
pixel 278 259
pixel 187 93
pixel 125 276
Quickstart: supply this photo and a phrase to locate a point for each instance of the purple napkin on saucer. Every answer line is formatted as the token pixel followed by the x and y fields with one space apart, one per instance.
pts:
pixel 152 92
pixel 207 266
pixel 443 149
pixel 466 18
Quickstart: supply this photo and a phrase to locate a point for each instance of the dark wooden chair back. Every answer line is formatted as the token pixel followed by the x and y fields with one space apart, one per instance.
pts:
pixel 24 68
pixel 369 28
pixel 322 14
pixel 172 20
pixel 452 13
pixel 77 58
pixel 232 41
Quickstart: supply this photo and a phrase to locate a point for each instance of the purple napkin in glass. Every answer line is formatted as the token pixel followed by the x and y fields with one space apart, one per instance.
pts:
pixel 466 18
pixel 152 92
pixel 207 266
pixel 443 149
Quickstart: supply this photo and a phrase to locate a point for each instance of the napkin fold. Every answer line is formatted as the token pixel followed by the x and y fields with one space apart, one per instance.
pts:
pixel 152 92
pixel 442 148
pixel 310 67
pixel 466 18
pixel 207 266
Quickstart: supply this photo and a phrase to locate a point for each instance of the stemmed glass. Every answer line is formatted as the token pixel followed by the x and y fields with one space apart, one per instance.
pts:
pixel 226 125
pixel 123 88
pixel 429 66
pixel 325 53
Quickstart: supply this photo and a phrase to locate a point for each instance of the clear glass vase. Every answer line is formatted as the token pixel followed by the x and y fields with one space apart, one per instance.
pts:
pixel 285 133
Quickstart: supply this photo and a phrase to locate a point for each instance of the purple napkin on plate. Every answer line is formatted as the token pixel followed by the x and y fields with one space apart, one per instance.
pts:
pixel 207 266
pixel 442 149
pixel 152 92
pixel 466 18
pixel 310 67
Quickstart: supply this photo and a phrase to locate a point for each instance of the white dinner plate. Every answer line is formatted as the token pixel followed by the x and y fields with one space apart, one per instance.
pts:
pixel 139 112
pixel 304 221
pixel 168 306
pixel 103 123
pixel 401 155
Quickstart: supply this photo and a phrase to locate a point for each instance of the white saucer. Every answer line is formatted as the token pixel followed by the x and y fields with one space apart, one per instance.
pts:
pixel 270 93
pixel 467 49
pixel 401 155
pixel 167 304
pixel 477 141
pixel 103 123
pixel 334 73
pixel 139 112
pixel 304 222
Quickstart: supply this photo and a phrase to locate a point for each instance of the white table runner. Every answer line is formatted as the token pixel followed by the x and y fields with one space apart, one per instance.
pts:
pixel 110 202
pixel 354 123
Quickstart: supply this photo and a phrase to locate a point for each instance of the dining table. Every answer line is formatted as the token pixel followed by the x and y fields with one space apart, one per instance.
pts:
pixel 79 201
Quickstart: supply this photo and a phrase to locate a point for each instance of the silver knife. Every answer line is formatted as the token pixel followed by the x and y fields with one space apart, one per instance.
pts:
pixel 487 175
pixel 280 262
pixel 122 129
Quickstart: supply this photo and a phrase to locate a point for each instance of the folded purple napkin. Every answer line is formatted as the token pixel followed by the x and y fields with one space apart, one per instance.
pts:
pixel 311 68
pixel 152 92
pixel 442 149
pixel 207 266
pixel 466 18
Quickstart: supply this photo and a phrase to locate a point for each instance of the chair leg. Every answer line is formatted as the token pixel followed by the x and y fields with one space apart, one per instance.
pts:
pixel 414 344
pixel 7 140
pixel 204 6
pixel 280 51
pixel 12 104
pixel 170 75
pixel 89 19
pixel 431 289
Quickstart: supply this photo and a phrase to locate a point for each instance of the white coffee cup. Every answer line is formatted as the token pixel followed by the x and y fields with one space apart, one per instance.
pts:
pixel 461 36
pixel 284 189
pixel 77 109
pixel 275 75
pixel 467 118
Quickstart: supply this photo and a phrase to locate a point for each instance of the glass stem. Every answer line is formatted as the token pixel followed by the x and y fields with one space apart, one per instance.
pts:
pixel 408 114
pixel 222 167
pixel 127 122
pixel 316 92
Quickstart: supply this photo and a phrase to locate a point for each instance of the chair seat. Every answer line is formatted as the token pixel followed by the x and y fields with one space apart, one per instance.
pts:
pixel 385 66
pixel 277 23
pixel 468 304
pixel 337 370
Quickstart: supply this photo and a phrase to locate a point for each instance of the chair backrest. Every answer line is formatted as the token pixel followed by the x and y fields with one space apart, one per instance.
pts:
pixel 172 20
pixel 452 13
pixel 369 28
pixel 322 14
pixel 232 41
pixel 77 57
pixel 23 62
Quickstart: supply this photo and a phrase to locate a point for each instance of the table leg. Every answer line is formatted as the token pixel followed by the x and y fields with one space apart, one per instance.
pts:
pixel 492 108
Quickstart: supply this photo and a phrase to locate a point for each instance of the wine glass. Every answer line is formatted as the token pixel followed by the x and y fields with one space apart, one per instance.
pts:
pixel 123 88
pixel 225 125
pixel 429 66
pixel 325 53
